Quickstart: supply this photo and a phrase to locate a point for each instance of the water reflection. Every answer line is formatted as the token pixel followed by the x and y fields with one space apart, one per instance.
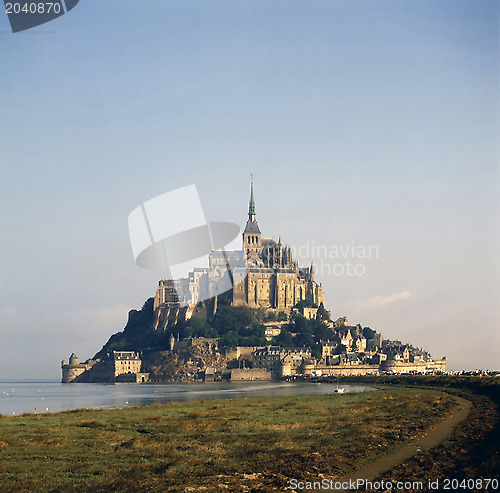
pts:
pixel 21 397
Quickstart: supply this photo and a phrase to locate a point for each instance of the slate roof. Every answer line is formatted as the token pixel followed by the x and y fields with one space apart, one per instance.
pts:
pixel 252 227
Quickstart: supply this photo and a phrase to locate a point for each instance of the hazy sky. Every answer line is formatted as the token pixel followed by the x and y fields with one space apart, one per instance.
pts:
pixel 364 123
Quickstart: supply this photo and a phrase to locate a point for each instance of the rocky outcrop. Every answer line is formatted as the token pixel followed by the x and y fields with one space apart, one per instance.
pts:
pixel 186 362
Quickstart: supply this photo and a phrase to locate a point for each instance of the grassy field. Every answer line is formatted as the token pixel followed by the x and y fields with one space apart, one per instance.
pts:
pixel 473 451
pixel 224 445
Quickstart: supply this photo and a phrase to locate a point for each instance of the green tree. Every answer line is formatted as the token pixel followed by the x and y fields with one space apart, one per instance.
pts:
pixel 322 313
pixel 229 340
pixel 316 350
pixel 260 314
pixel 199 327
pixel 239 326
pixel 299 324
pixel 307 303
pixel 229 319
pixel 305 339
pixel 285 339
pixel 320 330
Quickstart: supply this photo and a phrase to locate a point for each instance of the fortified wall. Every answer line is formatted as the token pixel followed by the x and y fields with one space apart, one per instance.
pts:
pixel 118 366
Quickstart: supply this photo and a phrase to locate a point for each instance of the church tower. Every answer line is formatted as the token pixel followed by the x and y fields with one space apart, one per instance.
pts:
pixel 252 238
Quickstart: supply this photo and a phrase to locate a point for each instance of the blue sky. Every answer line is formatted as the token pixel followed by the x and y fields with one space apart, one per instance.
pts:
pixel 363 123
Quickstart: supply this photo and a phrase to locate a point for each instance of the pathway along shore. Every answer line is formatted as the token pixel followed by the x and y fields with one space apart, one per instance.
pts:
pixel 433 437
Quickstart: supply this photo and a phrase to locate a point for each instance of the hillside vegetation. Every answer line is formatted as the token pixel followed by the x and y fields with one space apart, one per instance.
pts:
pixel 231 325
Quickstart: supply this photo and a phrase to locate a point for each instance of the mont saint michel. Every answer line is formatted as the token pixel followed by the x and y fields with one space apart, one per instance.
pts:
pixel 271 323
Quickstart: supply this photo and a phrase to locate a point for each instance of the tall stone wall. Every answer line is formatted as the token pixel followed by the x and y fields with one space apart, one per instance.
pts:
pixel 250 374
pixel 419 366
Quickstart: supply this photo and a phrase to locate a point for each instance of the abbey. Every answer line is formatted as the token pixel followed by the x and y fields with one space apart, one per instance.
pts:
pixel 261 275
pixel 294 335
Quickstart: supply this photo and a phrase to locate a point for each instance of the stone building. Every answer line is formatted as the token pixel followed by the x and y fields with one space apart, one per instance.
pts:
pixel 117 366
pixel 263 275
pixel 308 312
pixel 125 362
pixel 73 370
pixel 329 348
pixel 273 329
pixel 280 360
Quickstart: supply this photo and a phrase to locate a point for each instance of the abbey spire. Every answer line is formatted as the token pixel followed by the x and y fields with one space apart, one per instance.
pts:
pixel 252 226
pixel 251 235
pixel 251 206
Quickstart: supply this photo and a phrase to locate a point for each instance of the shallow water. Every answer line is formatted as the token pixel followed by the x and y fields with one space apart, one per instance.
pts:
pixel 49 396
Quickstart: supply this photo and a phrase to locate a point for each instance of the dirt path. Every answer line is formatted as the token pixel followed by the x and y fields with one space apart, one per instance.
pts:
pixel 433 437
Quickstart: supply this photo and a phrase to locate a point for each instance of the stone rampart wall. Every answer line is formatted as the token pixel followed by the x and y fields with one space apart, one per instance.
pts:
pixel 245 374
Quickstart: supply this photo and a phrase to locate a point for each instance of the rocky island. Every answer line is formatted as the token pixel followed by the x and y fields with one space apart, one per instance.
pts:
pixel 271 323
